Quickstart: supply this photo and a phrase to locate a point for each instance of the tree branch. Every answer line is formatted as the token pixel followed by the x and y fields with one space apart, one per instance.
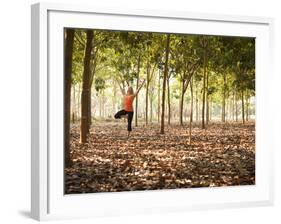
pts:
pixel 77 37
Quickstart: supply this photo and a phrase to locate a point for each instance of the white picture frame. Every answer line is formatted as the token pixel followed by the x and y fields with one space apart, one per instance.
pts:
pixel 48 201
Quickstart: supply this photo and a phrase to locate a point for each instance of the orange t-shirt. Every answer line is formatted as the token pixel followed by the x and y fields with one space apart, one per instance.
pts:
pixel 128 103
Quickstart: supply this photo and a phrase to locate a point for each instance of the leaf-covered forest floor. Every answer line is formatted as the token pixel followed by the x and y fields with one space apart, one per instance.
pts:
pixel 221 155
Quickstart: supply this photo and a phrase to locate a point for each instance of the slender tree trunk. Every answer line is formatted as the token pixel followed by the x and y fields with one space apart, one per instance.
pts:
pixel 247 107
pixel 73 117
pixel 89 116
pixel 151 109
pixel 181 104
pixel 243 109
pixel 146 105
pixel 164 83
pixel 91 78
pixel 158 111
pixel 136 106
pixel 236 107
pixel 223 99
pixel 199 106
pixel 233 106
pixel 146 94
pixel 67 92
pixel 191 110
pixel 105 110
pixel 226 110
pixel 197 109
pixel 73 104
pixel 192 98
pixel 211 109
pixel 207 99
pixel 169 104
pixel 229 108
pixel 166 103
pixel 204 87
pixel 114 99
pixel 79 102
pixel 85 89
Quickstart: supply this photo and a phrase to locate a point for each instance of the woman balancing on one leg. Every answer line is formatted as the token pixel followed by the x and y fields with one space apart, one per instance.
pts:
pixel 128 108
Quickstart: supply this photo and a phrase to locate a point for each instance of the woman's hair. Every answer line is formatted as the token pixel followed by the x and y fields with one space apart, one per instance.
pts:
pixel 130 90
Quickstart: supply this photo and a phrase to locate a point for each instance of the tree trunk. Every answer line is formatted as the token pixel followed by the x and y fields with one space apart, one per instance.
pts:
pixel 236 107
pixel 233 106
pixel 191 110
pixel 197 109
pixel 151 109
pixel 226 110
pixel 114 98
pixel 136 106
pixel 210 109
pixel 67 93
pixel 89 116
pixel 243 110
pixel 223 99
pixel 229 109
pixel 247 107
pixel 78 101
pixel 73 104
pixel 158 111
pixel 207 98
pixel 146 94
pixel 204 87
pixel 169 104
pixel 85 89
pixel 181 104
pixel 146 105
pixel 91 79
pixel 164 83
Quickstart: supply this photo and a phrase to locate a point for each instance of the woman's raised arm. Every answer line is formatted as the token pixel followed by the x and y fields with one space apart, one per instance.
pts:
pixel 122 90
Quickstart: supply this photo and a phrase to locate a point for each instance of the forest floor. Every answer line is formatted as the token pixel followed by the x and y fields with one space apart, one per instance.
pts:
pixel 221 155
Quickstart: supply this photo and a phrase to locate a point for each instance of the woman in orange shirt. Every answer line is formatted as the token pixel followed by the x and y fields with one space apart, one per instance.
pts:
pixel 128 108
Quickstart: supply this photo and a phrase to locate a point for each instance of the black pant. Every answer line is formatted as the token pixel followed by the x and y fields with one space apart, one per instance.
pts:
pixel 130 117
